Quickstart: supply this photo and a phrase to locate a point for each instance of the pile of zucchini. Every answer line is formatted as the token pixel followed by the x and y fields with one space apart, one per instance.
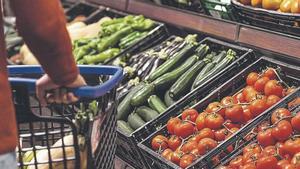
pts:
pixel 187 69
pixel 115 35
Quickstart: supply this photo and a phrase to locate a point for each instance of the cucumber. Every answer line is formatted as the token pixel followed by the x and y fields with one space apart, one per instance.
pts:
pixel 124 106
pixel 141 96
pixel 168 100
pixel 156 104
pixel 169 64
pixel 122 125
pixel 135 121
pixel 146 113
pixel 167 79
pixel 182 85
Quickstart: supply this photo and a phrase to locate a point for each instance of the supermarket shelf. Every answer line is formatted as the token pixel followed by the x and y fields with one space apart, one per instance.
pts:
pixel 215 27
pixel 278 43
pixel 116 4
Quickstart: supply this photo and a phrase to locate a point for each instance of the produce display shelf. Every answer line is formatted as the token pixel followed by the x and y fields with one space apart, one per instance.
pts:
pixel 117 4
pixel 208 25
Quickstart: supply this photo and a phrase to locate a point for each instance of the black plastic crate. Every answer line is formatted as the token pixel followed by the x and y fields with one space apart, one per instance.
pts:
pixel 127 144
pixel 290 74
pixel 246 136
pixel 190 5
pixel 81 9
pixel 156 35
pixel 268 19
pixel 218 9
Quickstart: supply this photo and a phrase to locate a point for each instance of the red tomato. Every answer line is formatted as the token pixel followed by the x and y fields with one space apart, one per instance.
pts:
pixel 172 123
pixel 254 147
pixel 266 162
pixel 292 146
pixel 248 166
pixel 236 162
pixel 205 145
pixel 270 73
pixel 205 133
pixel 282 163
pixel 167 154
pixel 239 98
pixel 279 114
pixel 200 121
pixel 263 125
pixel 159 142
pixel 214 121
pixel 189 146
pixel 247 115
pixel 249 93
pixel 289 90
pixel 186 160
pixel 290 166
pixel 296 122
pixel 227 101
pixel 235 113
pixel 189 114
pixel 259 85
pixel 273 87
pixel 269 151
pixel 252 78
pixel 174 142
pixel 229 124
pixel 272 99
pixel 258 106
pixel 280 149
pixel 251 157
pixel 265 138
pixel 215 107
pixel 282 131
pixel 176 156
pixel 221 134
pixel 296 160
pixel 184 129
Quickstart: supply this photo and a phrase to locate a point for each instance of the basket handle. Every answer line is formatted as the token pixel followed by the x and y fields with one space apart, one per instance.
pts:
pixel 91 92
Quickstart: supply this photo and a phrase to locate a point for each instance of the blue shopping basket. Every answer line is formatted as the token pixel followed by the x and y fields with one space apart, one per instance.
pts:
pixel 80 135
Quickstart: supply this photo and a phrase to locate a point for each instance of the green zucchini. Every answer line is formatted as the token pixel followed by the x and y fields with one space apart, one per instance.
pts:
pixel 169 64
pixel 123 126
pixel 218 67
pixel 167 79
pixel 146 113
pixel 124 106
pixel 202 50
pixel 135 121
pixel 156 104
pixel 141 96
pixel 168 100
pixel 182 85
pixel 219 57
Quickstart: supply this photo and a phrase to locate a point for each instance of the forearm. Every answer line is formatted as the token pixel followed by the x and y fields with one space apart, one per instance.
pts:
pixel 43 27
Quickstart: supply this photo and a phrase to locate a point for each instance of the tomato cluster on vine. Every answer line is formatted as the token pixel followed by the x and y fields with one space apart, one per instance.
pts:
pixel 277 144
pixel 195 134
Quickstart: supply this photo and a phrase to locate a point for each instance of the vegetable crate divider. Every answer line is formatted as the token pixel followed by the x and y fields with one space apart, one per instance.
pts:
pixel 127 144
pixel 193 5
pixel 231 86
pixel 240 137
pixel 155 36
pixel 218 9
pixel 40 127
pixel 272 20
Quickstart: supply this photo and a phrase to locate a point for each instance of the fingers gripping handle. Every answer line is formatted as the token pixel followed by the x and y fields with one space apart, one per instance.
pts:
pixel 84 91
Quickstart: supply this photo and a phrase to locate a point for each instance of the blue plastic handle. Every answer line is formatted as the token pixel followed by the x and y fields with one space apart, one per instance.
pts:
pixel 85 91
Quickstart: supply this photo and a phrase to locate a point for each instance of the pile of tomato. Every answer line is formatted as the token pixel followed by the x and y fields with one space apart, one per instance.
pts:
pixel 195 134
pixel 277 146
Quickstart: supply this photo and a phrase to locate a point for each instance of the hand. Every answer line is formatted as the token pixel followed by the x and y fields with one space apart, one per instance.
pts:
pixel 58 94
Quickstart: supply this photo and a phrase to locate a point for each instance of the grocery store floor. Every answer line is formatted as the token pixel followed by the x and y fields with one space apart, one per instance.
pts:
pixel 119 164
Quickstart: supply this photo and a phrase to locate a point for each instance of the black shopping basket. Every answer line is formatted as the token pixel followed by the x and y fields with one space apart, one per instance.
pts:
pixel 74 136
